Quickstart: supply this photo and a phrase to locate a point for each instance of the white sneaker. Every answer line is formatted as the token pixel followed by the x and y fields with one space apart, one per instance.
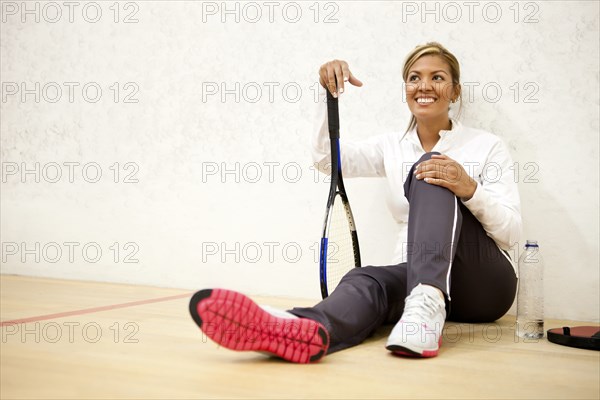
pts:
pixel 419 331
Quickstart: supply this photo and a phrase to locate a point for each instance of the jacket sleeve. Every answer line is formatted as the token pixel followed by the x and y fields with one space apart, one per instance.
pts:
pixel 362 158
pixel 496 202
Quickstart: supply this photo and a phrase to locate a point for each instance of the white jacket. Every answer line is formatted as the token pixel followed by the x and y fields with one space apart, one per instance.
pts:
pixel 484 156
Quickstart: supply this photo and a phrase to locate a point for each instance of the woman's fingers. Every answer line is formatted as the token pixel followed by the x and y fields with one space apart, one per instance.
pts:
pixel 441 167
pixel 438 182
pixel 433 164
pixel 330 78
pixel 339 76
pixel 353 80
pixel 443 171
pixel 333 75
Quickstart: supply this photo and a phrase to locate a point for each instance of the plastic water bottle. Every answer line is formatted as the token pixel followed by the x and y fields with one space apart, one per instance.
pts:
pixel 530 300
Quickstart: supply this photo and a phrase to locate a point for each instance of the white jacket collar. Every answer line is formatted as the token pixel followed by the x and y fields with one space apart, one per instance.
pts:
pixel 413 136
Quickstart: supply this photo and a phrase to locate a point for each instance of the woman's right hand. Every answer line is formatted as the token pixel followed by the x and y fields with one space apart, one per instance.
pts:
pixel 334 73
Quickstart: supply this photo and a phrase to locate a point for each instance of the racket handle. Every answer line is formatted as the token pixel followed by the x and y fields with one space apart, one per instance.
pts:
pixel 333 116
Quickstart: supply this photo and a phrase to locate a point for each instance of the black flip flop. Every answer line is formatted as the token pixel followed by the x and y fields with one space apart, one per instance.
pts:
pixel 583 337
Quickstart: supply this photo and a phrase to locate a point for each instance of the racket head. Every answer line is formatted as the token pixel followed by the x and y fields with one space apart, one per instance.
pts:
pixel 339 251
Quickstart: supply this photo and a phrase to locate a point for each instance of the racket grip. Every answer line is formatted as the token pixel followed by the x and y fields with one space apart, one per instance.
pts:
pixel 333 116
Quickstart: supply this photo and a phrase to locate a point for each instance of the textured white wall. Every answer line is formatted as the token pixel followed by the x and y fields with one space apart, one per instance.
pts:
pixel 174 207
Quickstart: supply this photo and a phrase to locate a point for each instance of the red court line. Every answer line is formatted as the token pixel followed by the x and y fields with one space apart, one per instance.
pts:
pixel 92 310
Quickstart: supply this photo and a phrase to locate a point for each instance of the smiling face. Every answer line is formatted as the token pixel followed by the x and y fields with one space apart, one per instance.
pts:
pixel 429 88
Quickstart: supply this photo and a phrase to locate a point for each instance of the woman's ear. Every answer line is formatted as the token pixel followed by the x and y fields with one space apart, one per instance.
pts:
pixel 457 91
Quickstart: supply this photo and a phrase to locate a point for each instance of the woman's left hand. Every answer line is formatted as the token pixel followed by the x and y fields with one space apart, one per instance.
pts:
pixel 443 171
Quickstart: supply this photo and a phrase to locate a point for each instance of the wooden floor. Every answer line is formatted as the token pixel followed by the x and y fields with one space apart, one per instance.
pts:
pixel 91 340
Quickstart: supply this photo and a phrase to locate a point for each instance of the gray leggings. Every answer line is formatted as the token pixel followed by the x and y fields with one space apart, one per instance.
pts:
pixel 447 248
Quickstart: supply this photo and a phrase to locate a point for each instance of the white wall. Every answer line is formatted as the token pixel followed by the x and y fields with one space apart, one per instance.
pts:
pixel 175 214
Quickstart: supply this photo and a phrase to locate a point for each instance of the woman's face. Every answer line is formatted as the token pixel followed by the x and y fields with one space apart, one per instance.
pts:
pixel 429 88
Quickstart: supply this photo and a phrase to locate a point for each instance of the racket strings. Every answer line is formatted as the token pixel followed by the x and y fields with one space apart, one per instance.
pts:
pixel 340 249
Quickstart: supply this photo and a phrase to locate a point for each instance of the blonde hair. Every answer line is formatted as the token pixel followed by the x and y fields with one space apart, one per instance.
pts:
pixel 436 49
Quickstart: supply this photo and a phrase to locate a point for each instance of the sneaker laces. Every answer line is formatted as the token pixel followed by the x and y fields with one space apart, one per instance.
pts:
pixel 421 305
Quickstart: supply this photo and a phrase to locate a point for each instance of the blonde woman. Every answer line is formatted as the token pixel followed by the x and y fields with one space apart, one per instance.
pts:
pixel 457 220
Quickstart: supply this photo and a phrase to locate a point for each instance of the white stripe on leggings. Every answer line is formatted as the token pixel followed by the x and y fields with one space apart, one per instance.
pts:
pixel 452 245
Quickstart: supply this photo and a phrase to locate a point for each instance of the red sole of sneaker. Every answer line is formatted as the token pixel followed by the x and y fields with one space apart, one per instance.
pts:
pixel 236 322
pixel 409 353
pixel 406 352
